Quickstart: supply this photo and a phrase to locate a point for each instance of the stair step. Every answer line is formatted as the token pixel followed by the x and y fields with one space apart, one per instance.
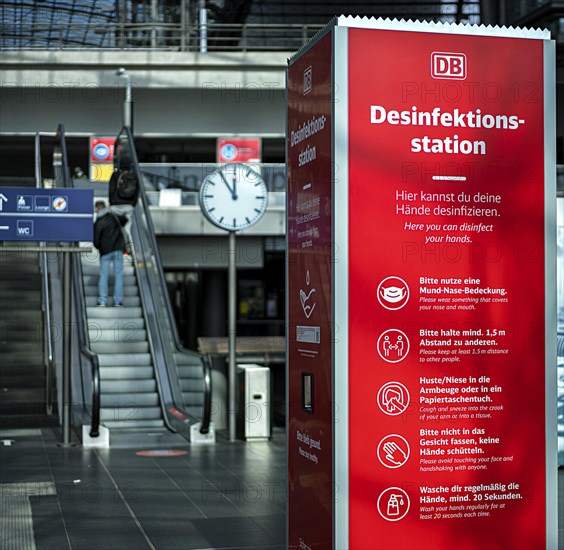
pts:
pixel 93 268
pixel 17 282
pixel 188 359
pixel 11 409
pixel 129 290
pixel 123 386
pixel 15 381
pixel 25 265
pixel 117 324
pixel 125 359
pixel 125 335
pixel 35 419
pixel 15 301
pixel 130 415
pixel 193 410
pixel 119 348
pixel 129 400
pixel 25 315
pixel 126 373
pixel 14 326
pixel 125 312
pixel 193 400
pixel 19 368
pixel 21 345
pixel 138 425
pixel 128 301
pixel 194 372
pixel 24 360
pixel 92 280
pixel 22 395
pixel 188 385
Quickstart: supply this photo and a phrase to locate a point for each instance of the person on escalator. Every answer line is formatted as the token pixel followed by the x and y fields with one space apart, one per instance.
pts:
pixel 110 242
pixel 123 195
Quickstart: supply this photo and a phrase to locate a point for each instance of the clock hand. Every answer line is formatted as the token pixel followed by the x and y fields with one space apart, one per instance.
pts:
pixel 234 191
pixel 226 184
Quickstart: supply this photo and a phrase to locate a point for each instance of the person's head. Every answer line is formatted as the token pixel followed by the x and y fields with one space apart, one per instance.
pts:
pixel 78 170
pixel 99 205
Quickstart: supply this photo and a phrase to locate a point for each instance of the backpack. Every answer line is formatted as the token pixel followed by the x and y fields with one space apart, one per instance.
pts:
pixel 126 185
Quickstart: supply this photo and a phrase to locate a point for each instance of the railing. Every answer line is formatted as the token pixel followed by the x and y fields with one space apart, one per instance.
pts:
pixel 150 36
pixel 78 288
pixel 159 271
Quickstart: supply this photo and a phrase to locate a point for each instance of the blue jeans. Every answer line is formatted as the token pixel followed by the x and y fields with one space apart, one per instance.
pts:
pixel 115 258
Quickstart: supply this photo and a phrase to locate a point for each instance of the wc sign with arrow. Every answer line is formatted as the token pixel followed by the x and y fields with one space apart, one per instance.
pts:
pixel 61 215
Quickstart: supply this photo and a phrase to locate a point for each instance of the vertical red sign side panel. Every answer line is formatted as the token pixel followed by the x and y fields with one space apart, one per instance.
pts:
pixel 446 291
pixel 550 297
pixel 309 299
pixel 341 286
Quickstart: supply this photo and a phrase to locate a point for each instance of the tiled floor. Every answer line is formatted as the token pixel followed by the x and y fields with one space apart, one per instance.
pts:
pixel 226 496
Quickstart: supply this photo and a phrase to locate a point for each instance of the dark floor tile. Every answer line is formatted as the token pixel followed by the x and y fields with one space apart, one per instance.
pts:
pixel 233 532
pixel 48 525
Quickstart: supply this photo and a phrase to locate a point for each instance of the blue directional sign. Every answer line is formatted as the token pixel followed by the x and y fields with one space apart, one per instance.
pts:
pixel 60 215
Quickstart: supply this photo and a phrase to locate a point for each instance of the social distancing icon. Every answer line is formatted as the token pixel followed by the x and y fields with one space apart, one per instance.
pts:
pixel 393 346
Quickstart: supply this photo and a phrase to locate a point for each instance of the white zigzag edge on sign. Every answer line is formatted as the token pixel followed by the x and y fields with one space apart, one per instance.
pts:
pixel 364 22
pixel 440 27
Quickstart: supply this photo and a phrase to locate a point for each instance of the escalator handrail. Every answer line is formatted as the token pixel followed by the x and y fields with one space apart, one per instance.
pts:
pixel 48 336
pixel 206 418
pixel 48 356
pixel 78 287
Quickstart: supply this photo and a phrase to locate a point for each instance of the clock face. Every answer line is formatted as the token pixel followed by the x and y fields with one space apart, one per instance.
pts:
pixel 233 197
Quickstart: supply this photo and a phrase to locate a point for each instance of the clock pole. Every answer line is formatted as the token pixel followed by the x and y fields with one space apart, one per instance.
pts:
pixel 233 197
pixel 232 320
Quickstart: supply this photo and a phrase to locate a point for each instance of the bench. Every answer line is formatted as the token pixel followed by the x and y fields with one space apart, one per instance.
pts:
pixel 249 349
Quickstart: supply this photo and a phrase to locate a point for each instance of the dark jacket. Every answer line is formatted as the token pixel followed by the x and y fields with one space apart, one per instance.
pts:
pixel 108 235
pixel 114 193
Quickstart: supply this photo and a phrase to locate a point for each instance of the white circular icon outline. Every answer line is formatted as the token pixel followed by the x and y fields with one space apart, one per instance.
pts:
pixel 104 148
pixel 383 442
pixel 63 206
pixel 388 385
pixel 402 493
pixel 404 355
pixel 380 286
pixel 229 151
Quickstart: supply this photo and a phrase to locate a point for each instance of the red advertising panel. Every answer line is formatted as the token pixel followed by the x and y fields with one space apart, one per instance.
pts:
pixel 239 150
pixel 309 204
pixel 101 149
pixel 446 291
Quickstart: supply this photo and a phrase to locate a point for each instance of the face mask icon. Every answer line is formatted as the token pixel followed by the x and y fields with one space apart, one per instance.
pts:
pixel 392 294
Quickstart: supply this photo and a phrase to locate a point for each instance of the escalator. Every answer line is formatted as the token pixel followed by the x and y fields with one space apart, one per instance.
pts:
pixel 22 375
pixel 131 361
pixel 26 354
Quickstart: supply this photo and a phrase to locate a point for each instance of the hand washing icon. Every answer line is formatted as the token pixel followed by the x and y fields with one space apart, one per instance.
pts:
pixel 393 504
pixel 307 299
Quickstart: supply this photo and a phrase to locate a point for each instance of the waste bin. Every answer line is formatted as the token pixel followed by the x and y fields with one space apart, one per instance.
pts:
pixel 253 414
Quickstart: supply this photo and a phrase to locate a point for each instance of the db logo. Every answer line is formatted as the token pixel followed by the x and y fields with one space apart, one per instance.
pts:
pixel 308 80
pixel 448 65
